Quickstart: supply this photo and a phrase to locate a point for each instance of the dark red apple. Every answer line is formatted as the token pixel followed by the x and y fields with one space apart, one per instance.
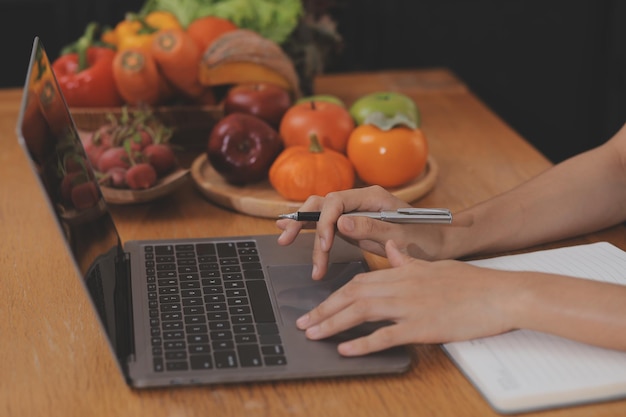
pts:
pixel 264 100
pixel 242 148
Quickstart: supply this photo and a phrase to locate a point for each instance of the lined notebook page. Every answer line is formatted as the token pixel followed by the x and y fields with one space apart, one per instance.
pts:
pixel 526 370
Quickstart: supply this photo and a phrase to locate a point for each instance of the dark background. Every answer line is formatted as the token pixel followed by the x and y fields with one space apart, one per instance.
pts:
pixel 554 70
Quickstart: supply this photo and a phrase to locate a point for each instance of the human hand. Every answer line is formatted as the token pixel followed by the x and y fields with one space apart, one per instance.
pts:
pixel 420 241
pixel 368 234
pixel 427 302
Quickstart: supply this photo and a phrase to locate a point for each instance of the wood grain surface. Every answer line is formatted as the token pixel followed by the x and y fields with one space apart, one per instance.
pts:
pixel 56 362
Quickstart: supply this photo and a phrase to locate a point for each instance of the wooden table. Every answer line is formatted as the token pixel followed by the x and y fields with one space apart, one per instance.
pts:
pixel 55 362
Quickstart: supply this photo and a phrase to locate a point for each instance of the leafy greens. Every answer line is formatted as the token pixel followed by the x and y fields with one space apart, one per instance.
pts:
pixel 273 19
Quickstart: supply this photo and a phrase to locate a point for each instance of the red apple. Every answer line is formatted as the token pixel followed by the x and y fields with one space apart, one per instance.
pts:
pixel 242 148
pixel 264 100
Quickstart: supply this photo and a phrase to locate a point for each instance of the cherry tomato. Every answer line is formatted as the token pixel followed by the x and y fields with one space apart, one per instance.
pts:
pixel 388 158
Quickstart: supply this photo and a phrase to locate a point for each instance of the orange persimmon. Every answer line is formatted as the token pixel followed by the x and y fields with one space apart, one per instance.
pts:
pixel 388 158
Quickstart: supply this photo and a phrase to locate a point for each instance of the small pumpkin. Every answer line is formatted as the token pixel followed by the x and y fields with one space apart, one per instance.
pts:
pixel 301 171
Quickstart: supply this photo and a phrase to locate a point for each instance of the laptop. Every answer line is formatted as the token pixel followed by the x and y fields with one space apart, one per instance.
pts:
pixel 186 311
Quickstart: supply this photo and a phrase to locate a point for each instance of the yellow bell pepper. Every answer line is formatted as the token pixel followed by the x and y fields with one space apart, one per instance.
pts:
pixel 137 32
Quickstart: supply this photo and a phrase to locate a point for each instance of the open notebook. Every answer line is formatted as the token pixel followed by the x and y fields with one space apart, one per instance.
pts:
pixel 523 370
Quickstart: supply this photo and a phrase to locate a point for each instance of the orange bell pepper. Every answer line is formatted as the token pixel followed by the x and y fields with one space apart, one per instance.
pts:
pixel 137 32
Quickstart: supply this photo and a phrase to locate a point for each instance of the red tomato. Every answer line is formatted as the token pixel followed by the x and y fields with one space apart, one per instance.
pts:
pixel 330 122
pixel 387 158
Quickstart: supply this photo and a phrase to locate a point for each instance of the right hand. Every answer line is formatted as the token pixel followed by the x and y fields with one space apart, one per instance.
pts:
pixel 419 241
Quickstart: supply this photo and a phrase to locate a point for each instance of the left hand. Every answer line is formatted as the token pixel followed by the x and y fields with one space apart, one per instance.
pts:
pixel 427 302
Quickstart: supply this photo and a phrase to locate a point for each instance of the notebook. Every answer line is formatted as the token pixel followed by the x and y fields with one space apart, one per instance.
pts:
pixel 523 370
pixel 192 311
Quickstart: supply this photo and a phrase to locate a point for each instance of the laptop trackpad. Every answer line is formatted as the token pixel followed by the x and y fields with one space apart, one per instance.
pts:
pixel 297 293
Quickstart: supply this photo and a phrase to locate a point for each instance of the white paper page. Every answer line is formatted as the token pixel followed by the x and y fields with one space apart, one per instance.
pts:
pixel 528 370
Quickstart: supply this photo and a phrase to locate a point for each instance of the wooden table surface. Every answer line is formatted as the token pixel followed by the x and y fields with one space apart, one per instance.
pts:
pixel 55 362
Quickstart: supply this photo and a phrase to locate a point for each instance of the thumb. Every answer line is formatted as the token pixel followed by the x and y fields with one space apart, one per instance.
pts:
pixel 395 256
pixel 360 228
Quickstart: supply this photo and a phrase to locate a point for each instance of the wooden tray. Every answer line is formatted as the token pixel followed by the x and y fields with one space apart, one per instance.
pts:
pixel 164 186
pixel 261 200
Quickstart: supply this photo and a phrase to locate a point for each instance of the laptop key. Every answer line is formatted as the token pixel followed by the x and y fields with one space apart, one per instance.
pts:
pixel 226 250
pixel 225 359
pixel 177 366
pixel 272 350
pixel 267 328
pixel 176 355
pixel 201 362
pixel 223 345
pixel 260 301
pixel 157 363
pixel 198 349
pixel 275 360
pixel 205 248
pixel 164 250
pixel 254 274
pixel 249 355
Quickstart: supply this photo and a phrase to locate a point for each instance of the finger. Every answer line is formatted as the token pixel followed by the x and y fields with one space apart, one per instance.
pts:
pixel 350 305
pixel 373 198
pixel 381 339
pixel 396 257
pixel 370 234
pixel 355 313
pixel 290 230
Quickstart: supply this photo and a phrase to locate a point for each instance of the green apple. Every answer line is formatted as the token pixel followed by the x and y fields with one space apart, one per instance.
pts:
pixel 322 97
pixel 386 109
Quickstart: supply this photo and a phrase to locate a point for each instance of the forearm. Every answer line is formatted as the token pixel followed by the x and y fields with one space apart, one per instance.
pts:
pixel 580 195
pixel 577 309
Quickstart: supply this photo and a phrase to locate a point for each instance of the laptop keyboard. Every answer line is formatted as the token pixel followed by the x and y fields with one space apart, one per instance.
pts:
pixel 210 308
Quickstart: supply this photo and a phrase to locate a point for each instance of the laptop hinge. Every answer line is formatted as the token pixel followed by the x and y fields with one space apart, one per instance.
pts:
pixel 123 310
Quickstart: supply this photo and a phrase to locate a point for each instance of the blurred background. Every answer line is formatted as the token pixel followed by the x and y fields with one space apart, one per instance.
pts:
pixel 554 70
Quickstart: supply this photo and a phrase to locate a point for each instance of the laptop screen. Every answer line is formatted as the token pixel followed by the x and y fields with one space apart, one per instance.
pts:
pixel 48 135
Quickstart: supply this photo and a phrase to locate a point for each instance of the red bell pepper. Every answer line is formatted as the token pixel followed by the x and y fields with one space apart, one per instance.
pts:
pixel 85 74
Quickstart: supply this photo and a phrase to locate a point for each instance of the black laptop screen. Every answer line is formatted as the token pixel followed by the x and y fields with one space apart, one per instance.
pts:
pixel 48 134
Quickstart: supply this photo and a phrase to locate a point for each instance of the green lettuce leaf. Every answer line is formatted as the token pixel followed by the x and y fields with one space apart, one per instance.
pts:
pixel 273 19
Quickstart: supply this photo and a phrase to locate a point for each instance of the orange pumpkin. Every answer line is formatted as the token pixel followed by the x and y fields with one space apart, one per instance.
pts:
pixel 301 171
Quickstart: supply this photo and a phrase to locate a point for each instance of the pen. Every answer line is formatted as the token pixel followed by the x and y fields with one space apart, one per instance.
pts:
pixel 403 215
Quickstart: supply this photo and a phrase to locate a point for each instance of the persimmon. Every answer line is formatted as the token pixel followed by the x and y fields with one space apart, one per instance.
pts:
pixel 331 123
pixel 389 158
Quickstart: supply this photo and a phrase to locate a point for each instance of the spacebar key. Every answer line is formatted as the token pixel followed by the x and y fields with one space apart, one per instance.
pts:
pixel 260 301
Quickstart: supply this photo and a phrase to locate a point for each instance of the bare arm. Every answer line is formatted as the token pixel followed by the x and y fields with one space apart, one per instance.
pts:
pixel 436 302
pixel 583 194
pixel 444 301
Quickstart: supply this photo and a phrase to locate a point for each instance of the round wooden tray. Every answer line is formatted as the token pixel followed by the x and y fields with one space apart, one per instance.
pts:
pixel 164 186
pixel 261 200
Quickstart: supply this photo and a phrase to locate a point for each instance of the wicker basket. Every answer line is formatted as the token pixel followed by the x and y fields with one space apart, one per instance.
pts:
pixel 192 124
